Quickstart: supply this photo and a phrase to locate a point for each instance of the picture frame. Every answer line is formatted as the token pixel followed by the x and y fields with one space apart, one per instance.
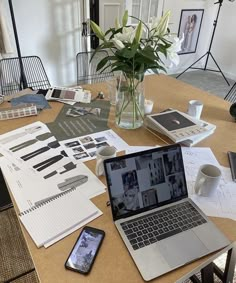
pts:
pixel 190 25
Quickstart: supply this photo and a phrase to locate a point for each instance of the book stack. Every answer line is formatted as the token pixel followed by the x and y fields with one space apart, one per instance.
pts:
pixel 180 127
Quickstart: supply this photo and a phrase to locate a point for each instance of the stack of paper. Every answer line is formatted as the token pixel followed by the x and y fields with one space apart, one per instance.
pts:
pixel 180 127
pixel 49 188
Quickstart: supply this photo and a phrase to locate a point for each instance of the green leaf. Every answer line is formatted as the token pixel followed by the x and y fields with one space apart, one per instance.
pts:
pixel 102 63
pixel 128 52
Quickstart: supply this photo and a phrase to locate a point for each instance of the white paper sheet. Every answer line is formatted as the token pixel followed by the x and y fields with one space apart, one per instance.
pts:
pixel 223 202
pixel 84 148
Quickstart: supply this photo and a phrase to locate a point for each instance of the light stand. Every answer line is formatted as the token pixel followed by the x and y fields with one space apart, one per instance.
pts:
pixel 23 81
pixel 208 53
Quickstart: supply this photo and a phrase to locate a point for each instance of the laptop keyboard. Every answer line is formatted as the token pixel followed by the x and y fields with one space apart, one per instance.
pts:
pixel 161 224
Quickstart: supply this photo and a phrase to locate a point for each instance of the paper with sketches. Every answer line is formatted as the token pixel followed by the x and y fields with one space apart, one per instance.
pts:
pixel 84 148
pixel 223 202
pixel 38 166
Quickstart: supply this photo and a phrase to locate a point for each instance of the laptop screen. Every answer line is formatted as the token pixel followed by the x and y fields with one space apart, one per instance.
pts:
pixel 145 180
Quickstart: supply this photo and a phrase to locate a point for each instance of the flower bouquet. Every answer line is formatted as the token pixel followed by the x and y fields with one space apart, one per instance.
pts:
pixel 133 51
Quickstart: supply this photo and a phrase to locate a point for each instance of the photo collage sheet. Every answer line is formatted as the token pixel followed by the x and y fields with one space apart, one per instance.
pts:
pixel 84 148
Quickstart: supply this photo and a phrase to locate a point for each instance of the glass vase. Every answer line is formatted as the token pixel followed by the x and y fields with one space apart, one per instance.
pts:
pixel 130 101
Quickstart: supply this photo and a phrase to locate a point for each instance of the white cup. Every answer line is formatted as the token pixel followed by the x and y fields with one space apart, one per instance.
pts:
pixel 195 108
pixel 207 181
pixel 148 105
pixel 103 153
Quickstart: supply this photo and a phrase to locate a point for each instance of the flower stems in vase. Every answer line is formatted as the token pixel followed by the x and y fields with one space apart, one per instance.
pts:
pixel 130 101
pixel 133 50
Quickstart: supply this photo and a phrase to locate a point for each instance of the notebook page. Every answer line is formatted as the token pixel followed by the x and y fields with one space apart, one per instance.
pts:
pixel 50 220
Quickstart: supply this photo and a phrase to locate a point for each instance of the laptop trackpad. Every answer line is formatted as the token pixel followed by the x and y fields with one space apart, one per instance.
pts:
pixel 182 248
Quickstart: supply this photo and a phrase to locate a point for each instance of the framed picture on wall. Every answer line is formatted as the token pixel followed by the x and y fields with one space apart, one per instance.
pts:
pixel 190 25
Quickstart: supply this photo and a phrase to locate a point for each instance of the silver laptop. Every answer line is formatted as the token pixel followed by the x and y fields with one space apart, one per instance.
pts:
pixel 160 226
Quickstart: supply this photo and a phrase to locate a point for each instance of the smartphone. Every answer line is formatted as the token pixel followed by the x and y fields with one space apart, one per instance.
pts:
pixel 84 252
pixel 232 163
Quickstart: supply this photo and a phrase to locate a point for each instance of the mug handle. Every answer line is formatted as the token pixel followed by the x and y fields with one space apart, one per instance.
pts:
pixel 98 169
pixel 199 184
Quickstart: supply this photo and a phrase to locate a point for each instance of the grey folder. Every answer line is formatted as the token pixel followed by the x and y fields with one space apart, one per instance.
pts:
pixel 160 226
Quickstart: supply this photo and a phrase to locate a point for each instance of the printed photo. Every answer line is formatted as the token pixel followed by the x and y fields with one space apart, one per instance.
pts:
pixel 101 144
pixel 81 155
pixel 100 139
pixel 173 121
pixel 89 145
pixel 72 144
pixel 78 149
pixel 86 139
pixel 190 25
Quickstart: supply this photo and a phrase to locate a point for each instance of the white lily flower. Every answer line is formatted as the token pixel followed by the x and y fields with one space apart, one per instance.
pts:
pixel 127 35
pixel 118 44
pixel 172 51
pixel 159 26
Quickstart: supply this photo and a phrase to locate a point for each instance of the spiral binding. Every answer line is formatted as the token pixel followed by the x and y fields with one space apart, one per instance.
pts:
pixel 50 199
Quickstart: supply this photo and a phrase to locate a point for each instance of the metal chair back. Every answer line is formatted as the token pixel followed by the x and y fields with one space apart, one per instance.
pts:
pixel 87 69
pixel 11 76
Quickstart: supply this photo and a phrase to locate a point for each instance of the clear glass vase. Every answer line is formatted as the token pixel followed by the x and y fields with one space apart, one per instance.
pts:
pixel 130 101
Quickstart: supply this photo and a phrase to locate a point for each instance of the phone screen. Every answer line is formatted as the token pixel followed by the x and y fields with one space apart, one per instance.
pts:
pixel 85 250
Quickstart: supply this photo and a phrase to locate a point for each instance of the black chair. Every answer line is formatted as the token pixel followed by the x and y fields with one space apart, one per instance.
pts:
pixel 11 78
pixel 86 68
pixel 231 95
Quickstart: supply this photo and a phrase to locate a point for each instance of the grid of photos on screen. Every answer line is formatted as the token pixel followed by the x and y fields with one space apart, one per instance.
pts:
pixel 145 181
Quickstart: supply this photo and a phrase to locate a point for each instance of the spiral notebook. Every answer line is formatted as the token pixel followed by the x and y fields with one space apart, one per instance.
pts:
pixel 58 216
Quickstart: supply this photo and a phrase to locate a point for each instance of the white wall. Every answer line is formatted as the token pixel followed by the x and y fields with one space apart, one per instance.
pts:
pixel 51 29
pixel 224 42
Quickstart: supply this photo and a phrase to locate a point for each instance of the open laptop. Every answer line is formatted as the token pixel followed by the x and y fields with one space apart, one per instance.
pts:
pixel 161 227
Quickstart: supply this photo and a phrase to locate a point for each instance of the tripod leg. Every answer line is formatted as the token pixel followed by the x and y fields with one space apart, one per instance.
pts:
pixel 219 69
pixel 191 65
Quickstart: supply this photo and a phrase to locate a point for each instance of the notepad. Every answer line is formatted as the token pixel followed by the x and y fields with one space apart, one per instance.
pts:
pixel 57 216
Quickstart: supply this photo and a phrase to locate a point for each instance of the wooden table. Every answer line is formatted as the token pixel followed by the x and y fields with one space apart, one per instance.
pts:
pixel 114 263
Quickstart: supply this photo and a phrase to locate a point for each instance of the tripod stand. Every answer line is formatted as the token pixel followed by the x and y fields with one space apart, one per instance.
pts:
pixel 208 53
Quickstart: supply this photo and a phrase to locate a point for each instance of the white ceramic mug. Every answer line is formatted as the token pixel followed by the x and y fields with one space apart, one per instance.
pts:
pixel 208 179
pixel 195 108
pixel 103 153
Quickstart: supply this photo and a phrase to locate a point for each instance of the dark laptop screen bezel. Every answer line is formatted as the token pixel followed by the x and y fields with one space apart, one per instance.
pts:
pixel 132 155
